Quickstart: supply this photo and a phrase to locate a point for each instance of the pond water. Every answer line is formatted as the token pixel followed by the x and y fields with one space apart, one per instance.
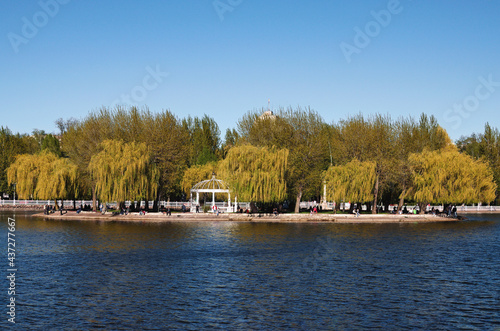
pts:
pixel 191 276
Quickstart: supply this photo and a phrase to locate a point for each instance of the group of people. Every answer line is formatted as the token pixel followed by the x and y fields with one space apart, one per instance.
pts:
pixel 315 209
pixel 404 210
pixel 48 209
pixel 450 211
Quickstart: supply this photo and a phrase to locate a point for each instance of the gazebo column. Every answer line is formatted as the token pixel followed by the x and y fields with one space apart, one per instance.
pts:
pixel 197 198
pixel 213 199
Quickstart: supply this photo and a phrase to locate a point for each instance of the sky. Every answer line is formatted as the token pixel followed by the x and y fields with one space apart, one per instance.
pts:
pixel 223 58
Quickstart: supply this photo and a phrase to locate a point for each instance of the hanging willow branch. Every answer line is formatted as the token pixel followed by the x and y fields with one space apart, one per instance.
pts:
pixel 256 174
pixel 351 182
pixel 43 176
pixel 447 176
pixel 124 171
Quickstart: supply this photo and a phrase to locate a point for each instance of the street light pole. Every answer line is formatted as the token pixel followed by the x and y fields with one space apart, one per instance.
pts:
pixel 14 194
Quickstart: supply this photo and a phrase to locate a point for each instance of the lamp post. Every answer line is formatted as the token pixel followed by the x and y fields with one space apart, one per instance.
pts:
pixel 14 193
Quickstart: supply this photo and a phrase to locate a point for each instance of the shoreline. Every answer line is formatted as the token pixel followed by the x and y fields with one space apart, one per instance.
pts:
pixel 253 218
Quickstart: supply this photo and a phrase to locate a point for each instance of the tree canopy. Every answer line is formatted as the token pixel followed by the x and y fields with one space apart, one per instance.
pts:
pixel 186 151
pixel 256 174
pixel 447 176
pixel 43 176
pixel 162 132
pixel 304 134
pixel 124 171
pixel 353 181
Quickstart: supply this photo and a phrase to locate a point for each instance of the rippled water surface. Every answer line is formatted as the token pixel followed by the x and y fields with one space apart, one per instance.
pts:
pixel 90 275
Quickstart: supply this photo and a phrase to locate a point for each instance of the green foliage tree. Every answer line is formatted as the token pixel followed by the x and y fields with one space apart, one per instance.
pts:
pixel 388 143
pixel 51 143
pixel 353 181
pixel 256 174
pixel 414 137
pixel 43 176
pixel 304 134
pixel 231 139
pixel 162 132
pixel 447 176
pixel 124 171
pixel 10 146
pixel 204 138
pixel 484 146
pixel 368 139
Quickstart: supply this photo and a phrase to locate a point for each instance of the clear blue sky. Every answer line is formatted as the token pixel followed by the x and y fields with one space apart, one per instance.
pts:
pixel 226 57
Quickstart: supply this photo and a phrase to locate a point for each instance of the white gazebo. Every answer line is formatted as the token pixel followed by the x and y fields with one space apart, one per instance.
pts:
pixel 213 186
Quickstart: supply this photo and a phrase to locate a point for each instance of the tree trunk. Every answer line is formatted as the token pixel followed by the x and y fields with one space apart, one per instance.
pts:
pixel 94 199
pixel 375 197
pixel 422 207
pixel 402 198
pixel 297 203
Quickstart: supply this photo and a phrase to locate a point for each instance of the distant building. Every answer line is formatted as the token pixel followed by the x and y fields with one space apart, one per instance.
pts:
pixel 267 115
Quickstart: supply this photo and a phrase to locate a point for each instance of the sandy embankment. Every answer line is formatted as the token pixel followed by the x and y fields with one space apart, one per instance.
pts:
pixel 282 218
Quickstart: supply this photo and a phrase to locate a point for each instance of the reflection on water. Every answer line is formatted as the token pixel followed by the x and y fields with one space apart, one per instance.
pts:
pixel 86 275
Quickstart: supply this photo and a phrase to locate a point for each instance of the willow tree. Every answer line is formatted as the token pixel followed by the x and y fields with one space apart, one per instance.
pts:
pixel 447 176
pixel 256 174
pixel 304 133
pixel 387 143
pixel 12 145
pixel 124 171
pixel 368 139
pixel 161 132
pixel 486 146
pixel 198 173
pixel 354 181
pixel 414 137
pixel 44 176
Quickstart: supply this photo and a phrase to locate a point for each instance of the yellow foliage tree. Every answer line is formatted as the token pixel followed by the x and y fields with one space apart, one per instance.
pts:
pixel 43 176
pixel 196 174
pixel 351 182
pixel 124 171
pixel 447 176
pixel 256 174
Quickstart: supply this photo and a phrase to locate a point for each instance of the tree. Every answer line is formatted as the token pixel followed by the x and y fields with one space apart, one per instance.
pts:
pixel 371 139
pixel 231 139
pixel 204 137
pixel 51 143
pixel 256 174
pixel 198 173
pixel 124 171
pixel 484 146
pixel 447 176
pixel 10 146
pixel 414 137
pixel 304 134
pixel 387 143
pixel 44 176
pixel 162 132
pixel 353 181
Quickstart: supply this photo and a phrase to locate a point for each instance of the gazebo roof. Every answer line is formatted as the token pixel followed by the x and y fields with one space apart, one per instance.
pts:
pixel 211 185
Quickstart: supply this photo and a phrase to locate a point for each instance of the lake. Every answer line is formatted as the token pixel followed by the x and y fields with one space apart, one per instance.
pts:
pixel 224 275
